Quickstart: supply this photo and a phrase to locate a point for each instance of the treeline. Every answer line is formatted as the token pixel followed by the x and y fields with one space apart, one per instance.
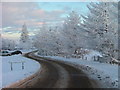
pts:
pixel 98 31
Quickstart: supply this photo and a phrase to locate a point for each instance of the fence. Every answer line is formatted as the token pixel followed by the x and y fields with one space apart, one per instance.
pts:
pixel 22 64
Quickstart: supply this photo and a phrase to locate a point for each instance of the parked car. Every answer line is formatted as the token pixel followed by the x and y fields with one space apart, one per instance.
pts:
pixel 5 53
pixel 16 52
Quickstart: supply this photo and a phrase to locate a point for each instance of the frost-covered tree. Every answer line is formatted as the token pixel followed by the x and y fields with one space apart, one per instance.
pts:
pixel 47 41
pixel 24 39
pixel 71 32
pixel 102 26
pixel 8 44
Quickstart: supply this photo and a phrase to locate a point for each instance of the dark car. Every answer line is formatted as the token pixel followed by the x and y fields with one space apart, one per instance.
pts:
pixel 16 52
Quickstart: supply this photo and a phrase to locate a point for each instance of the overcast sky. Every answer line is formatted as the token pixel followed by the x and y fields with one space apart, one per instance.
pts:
pixel 14 14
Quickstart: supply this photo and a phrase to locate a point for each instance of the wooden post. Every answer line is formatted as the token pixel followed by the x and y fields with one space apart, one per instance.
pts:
pixel 11 66
pixel 22 65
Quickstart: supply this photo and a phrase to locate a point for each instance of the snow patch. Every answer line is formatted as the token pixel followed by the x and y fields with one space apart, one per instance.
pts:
pixel 10 76
pixel 92 54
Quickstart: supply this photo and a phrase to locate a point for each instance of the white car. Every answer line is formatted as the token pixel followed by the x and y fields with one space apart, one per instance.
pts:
pixel 5 53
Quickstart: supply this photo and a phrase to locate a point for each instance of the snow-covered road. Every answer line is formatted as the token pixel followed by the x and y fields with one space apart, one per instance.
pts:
pixel 56 74
pixel 105 73
pixel 10 76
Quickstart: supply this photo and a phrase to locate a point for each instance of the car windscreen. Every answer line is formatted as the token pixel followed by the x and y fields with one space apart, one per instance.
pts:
pixel 4 51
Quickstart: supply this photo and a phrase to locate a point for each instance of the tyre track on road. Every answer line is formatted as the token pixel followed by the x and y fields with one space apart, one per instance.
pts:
pixel 71 78
pixel 54 75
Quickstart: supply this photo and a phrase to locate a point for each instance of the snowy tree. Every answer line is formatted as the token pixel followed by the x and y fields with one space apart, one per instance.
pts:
pixel 97 31
pixel 8 44
pixel 101 25
pixel 47 41
pixel 71 32
pixel 24 39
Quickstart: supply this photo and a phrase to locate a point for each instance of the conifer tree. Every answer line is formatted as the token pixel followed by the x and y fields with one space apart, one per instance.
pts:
pixel 24 39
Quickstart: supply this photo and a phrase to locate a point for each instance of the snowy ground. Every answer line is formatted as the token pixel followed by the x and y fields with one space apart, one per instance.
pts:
pixel 106 74
pixel 10 76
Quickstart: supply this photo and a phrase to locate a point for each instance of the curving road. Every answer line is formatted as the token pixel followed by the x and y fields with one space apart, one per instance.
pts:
pixel 56 74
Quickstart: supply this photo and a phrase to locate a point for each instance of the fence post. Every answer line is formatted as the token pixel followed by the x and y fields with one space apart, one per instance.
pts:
pixel 22 65
pixel 11 66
